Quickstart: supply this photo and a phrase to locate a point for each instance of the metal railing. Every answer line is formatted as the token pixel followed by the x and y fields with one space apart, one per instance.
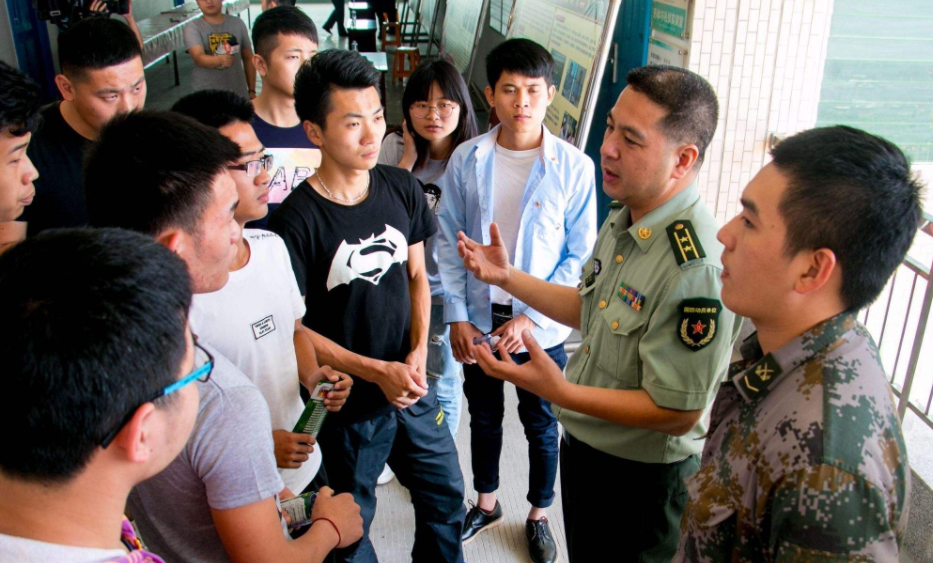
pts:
pixel 899 320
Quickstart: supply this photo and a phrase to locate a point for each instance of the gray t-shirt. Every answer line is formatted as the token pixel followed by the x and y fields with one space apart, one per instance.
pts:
pixel 228 462
pixel 393 147
pixel 227 38
pixel 23 550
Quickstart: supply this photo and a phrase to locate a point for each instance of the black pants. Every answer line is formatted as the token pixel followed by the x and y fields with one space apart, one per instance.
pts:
pixel 336 17
pixel 418 447
pixel 619 506
pixel 486 402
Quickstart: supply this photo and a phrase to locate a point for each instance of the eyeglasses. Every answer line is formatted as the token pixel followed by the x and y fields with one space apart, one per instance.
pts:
pixel 254 167
pixel 204 362
pixel 444 110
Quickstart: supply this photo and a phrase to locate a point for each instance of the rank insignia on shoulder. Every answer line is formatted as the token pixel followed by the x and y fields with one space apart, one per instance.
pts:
pixel 698 317
pixel 631 297
pixel 597 266
pixel 684 241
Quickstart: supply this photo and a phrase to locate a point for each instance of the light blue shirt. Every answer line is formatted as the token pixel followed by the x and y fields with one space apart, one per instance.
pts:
pixel 556 235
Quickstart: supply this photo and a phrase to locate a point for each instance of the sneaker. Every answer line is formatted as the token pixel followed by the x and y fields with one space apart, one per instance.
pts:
pixel 541 544
pixel 386 476
pixel 478 521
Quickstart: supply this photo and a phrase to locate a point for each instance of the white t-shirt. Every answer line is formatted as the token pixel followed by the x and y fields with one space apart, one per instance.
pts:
pixel 23 550
pixel 251 321
pixel 511 171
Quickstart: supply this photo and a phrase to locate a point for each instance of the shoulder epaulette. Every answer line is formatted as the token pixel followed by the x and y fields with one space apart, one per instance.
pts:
pixel 684 241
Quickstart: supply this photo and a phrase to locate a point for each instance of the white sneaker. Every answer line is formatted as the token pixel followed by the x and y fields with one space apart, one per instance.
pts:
pixel 386 476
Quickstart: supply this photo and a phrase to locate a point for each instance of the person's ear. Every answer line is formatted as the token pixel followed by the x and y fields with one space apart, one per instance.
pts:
pixel 686 156
pixel 173 239
pixel 260 65
pixel 817 270
pixel 490 97
pixel 314 133
pixel 136 437
pixel 66 87
pixel 551 92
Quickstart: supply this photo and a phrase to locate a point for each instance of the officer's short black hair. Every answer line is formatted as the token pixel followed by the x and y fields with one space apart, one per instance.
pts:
pixel 690 102
pixel 334 69
pixel 854 194
pixel 82 351
pixel 519 56
pixel 216 108
pixel 19 102
pixel 153 170
pixel 95 43
pixel 278 21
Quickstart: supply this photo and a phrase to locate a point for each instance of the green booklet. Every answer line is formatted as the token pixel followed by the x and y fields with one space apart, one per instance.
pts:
pixel 315 412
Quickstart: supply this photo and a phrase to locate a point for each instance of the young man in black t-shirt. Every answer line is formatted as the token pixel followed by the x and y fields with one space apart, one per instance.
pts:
pixel 355 232
pixel 102 76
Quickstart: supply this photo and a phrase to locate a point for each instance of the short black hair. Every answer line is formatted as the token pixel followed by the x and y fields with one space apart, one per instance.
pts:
pixel 328 71
pixel 216 108
pixel 19 101
pixel 152 170
pixel 690 101
pixel 81 353
pixel 95 43
pixel 853 193
pixel 290 3
pixel 281 20
pixel 519 56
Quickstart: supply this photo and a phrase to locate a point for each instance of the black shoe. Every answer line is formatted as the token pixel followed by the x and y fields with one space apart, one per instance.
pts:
pixel 328 30
pixel 478 521
pixel 541 544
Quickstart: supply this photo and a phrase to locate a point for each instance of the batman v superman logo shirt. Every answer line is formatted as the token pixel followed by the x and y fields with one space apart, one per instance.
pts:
pixel 351 263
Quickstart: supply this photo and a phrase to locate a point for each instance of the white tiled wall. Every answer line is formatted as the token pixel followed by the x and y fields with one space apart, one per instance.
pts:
pixel 765 60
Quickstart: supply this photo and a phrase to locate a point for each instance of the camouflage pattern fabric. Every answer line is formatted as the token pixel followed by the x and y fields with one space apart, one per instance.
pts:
pixel 805 459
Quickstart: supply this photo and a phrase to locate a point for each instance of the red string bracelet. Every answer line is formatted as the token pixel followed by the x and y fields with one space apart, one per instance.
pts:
pixel 336 529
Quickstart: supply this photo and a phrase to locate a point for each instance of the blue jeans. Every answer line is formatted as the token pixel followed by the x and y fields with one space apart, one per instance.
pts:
pixel 486 401
pixel 443 370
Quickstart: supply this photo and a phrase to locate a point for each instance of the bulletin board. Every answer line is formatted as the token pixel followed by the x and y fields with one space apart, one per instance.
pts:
pixel 577 34
pixel 461 32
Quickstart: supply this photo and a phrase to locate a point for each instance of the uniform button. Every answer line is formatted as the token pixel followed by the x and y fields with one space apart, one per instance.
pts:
pixel 586 350
pixel 602 304
pixel 619 259
pixel 615 325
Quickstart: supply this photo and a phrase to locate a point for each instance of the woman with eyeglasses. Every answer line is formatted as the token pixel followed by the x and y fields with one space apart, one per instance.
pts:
pixel 438 118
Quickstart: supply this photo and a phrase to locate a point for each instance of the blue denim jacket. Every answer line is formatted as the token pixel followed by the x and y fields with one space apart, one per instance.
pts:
pixel 556 235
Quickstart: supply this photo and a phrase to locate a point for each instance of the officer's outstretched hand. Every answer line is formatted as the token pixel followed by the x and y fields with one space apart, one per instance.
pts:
pixel 540 375
pixel 490 264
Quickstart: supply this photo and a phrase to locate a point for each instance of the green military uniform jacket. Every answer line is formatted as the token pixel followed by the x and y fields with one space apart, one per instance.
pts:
pixel 651 319
pixel 805 460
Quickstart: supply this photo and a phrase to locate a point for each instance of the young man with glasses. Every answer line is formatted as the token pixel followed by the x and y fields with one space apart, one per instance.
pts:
pixel 90 413
pixel 255 320
pixel 218 500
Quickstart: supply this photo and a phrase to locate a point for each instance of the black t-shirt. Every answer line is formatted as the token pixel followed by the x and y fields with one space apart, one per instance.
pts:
pixel 57 151
pixel 351 265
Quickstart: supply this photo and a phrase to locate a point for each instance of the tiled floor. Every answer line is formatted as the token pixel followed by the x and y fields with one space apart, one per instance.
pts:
pixel 393 529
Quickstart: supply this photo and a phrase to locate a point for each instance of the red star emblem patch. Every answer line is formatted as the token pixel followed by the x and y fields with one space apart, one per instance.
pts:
pixel 698 328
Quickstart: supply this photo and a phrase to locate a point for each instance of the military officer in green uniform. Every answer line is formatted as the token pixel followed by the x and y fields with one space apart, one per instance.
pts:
pixel 805 460
pixel 656 338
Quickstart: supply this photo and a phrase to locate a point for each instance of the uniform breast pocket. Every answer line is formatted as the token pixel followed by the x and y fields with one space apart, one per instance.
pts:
pixel 619 328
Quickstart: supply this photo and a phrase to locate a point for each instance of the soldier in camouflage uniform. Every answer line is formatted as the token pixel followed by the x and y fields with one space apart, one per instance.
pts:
pixel 805 460
pixel 656 339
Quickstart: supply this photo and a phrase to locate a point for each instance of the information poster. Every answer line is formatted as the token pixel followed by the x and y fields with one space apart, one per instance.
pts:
pixel 670 25
pixel 461 29
pixel 428 9
pixel 574 32
pixel 499 11
pixel 660 53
